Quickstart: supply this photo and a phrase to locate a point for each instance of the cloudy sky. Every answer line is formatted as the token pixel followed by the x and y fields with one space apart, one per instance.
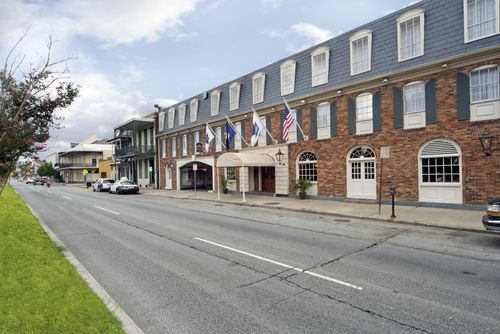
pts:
pixel 131 54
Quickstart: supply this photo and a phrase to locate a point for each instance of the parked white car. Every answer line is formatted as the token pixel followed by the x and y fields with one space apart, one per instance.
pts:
pixel 124 187
pixel 102 184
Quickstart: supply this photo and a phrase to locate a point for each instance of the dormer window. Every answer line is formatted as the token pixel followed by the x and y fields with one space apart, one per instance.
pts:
pixel 161 121
pixel 258 84
pixel 319 66
pixel 171 117
pixel 214 102
pixel 234 96
pixel 361 51
pixel 182 114
pixel 480 19
pixel 411 35
pixel 287 70
pixel 193 110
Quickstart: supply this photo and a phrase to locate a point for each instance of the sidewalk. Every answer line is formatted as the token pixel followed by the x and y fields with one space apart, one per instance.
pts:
pixel 467 220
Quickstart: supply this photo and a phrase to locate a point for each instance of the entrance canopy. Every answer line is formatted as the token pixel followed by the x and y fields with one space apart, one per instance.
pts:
pixel 245 159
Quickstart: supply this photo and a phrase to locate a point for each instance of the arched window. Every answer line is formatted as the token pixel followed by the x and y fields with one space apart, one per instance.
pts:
pixel 307 167
pixel 440 162
pixel 362 152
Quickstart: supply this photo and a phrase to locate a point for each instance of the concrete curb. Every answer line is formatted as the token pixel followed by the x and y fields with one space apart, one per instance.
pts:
pixel 389 220
pixel 128 325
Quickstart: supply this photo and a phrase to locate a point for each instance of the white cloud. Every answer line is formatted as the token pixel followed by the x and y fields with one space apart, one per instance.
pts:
pixel 271 33
pixel 311 32
pixel 272 3
pixel 130 73
pixel 126 21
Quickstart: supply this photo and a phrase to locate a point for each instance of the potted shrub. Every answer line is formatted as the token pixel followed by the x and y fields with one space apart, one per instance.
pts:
pixel 223 184
pixel 302 185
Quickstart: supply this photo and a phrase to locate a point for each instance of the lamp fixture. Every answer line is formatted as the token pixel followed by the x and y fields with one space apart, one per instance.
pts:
pixel 339 91
pixel 302 101
pixel 444 65
pixel 385 80
pixel 486 140
pixel 279 157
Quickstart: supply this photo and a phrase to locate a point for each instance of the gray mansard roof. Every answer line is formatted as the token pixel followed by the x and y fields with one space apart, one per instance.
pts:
pixel 444 39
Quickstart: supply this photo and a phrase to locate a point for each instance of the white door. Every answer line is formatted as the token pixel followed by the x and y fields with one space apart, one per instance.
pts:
pixel 168 178
pixel 361 174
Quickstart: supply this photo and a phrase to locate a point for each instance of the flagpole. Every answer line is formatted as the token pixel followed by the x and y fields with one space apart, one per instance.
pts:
pixel 234 128
pixel 243 183
pixel 218 183
pixel 265 127
pixel 216 136
pixel 297 123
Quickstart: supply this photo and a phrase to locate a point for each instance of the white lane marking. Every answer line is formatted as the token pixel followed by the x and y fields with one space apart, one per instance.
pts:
pixel 98 207
pixel 68 198
pixel 283 265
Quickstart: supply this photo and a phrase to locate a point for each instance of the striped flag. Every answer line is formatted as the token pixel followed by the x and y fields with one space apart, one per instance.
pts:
pixel 288 121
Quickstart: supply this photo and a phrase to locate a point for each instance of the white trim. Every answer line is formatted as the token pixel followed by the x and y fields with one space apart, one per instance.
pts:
pixel 193 112
pixel 234 101
pixel 184 145
pixel 466 31
pixel 173 145
pixel 258 97
pixel 410 15
pixel 182 113
pixel 415 119
pixel 323 132
pixel 355 37
pixel 161 121
pixel 171 117
pixel 214 107
pixel 316 79
pixel 289 65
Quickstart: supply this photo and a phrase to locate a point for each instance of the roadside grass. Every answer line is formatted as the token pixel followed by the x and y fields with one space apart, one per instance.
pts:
pixel 40 292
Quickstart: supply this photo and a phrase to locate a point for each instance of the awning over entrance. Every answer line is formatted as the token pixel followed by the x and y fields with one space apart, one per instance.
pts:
pixel 245 159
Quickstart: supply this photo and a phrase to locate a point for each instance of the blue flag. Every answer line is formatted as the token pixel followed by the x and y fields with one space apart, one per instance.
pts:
pixel 230 133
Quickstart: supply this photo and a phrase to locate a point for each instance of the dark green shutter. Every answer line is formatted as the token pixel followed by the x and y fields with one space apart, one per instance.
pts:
pixel 300 137
pixel 280 139
pixel 242 131
pixel 397 108
pixel 193 145
pixel 463 97
pixel 430 102
pixel 333 119
pixel 223 138
pixel 377 118
pixel 269 141
pixel 314 122
pixel 351 116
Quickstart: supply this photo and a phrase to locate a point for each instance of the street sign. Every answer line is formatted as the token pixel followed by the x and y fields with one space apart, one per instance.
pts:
pixel 85 172
pixel 150 168
pixel 195 166
pixel 385 152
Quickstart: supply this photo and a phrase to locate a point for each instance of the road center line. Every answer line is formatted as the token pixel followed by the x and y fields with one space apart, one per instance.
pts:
pixel 68 198
pixel 113 212
pixel 283 265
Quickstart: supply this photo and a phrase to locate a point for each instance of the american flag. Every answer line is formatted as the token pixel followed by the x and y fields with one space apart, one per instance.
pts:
pixel 288 121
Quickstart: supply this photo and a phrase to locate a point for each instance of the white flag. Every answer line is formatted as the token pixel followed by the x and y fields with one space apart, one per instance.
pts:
pixel 257 127
pixel 208 137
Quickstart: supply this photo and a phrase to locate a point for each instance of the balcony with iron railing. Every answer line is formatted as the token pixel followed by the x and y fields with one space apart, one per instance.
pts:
pixel 63 165
pixel 135 150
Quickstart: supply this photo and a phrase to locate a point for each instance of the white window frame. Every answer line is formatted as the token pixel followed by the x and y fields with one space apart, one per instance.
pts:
pixel 193 110
pixel 163 148
pixel 218 139
pixel 415 118
pixel 171 117
pixel 234 96
pixel 287 75
pixel 182 114
pixel 467 39
pixel 262 141
pixel 292 131
pixel 237 137
pixel 161 121
pixel 258 92
pixel 214 102
pixel 365 125
pixel 323 131
pixel 320 78
pixel 196 140
pixel 486 109
pixel 173 141
pixel 362 34
pixel 184 145
pixel 410 15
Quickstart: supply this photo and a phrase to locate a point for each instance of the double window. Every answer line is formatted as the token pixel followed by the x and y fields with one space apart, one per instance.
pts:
pixel 174 146
pixel 361 56
pixel 193 110
pixel 258 84
pixel 480 19
pixel 234 96
pixel 182 114
pixel 196 140
pixel 287 71
pixel 184 145
pixel 364 114
pixel 163 148
pixel 484 84
pixel 411 35
pixel 319 66
pixel 323 116
pixel 414 105
pixel 214 102
pixel 308 167
pixel 218 139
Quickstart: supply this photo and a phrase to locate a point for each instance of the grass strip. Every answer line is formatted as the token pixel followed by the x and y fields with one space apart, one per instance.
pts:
pixel 40 292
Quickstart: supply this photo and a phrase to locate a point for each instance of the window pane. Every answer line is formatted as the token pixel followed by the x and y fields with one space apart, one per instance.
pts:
pixel 414 97
pixel 360 55
pixel 364 110
pixel 485 85
pixel 323 115
pixel 481 18
pixel 410 39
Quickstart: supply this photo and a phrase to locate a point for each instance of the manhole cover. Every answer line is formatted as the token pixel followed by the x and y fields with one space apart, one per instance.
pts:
pixel 342 220
pixel 272 203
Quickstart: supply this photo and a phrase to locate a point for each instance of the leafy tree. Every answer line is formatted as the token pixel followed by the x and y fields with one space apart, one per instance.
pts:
pixel 46 169
pixel 28 102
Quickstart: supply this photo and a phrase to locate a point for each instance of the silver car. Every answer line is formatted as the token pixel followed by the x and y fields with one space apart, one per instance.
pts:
pixel 102 184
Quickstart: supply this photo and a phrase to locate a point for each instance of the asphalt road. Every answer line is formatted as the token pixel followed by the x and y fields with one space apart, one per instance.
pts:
pixel 187 266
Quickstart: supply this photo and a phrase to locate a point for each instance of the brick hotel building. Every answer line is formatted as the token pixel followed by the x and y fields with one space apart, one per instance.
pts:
pixel 422 83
